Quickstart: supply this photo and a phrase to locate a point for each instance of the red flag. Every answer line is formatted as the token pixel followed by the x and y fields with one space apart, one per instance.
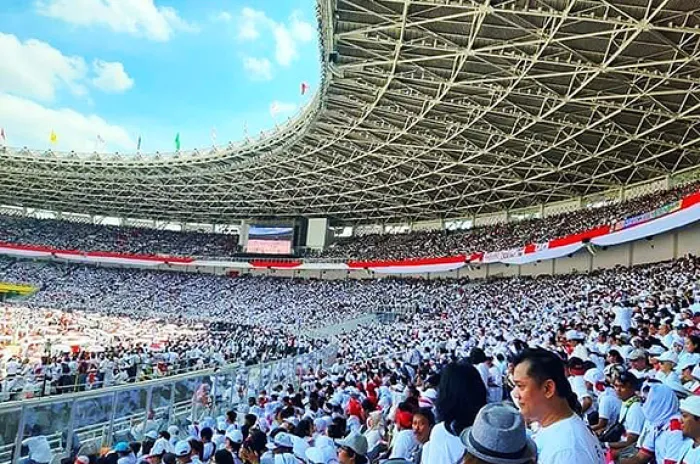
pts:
pixel 304 88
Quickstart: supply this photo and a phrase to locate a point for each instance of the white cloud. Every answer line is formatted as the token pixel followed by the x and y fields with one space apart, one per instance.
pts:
pixel 302 30
pixel 258 69
pixel 30 123
pixel 140 18
pixel 111 77
pixel 35 69
pixel 281 108
pixel 223 16
pixel 253 24
pixel 250 22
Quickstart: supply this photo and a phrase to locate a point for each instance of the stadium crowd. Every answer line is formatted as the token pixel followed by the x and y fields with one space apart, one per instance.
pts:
pixel 89 237
pixel 68 235
pixel 500 236
pixel 594 368
pixel 186 321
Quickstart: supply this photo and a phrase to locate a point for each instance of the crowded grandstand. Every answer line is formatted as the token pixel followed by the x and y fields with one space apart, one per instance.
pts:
pixel 478 243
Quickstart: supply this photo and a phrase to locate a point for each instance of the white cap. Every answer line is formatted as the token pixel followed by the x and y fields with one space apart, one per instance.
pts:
pixel 182 448
pixel 575 335
pixel 685 364
pixel 236 436
pixel 669 356
pixel 691 405
pixel 696 372
pixel 152 434
pixel 594 376
pixel 656 350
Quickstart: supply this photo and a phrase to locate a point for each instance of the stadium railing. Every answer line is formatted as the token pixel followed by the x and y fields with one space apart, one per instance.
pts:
pixel 93 420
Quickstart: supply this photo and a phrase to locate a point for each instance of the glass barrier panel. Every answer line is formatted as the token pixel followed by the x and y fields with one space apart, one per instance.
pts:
pixel 254 380
pixel 160 404
pixel 130 415
pixel 9 426
pixel 203 401
pixel 222 390
pixel 91 424
pixel 45 430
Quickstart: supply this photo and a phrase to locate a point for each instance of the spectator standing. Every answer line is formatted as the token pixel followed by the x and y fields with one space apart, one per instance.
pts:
pixel 545 396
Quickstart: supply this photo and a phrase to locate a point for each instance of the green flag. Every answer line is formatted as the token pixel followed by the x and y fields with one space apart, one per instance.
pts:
pixel 177 142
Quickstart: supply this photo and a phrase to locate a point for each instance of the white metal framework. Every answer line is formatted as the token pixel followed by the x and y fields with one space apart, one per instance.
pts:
pixel 429 109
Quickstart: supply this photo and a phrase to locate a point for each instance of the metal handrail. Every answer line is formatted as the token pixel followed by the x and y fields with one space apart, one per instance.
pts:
pixel 221 380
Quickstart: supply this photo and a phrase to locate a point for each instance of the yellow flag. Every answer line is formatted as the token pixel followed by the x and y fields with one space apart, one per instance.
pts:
pixel 53 137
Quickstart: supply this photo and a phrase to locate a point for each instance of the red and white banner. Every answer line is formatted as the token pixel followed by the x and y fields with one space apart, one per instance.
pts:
pixel 412 266
pixel 669 217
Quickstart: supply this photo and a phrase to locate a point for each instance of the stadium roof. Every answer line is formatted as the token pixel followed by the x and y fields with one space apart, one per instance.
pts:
pixel 428 109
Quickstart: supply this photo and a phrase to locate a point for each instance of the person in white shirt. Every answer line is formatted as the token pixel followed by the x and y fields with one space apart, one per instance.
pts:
pixel 661 439
pixel 690 411
pixel 639 366
pixel 39 450
pixel 576 340
pixel 623 317
pixel 544 395
pixel 631 415
pixel 609 406
pixel 669 361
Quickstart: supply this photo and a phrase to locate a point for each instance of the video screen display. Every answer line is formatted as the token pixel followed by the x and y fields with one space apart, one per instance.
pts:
pixel 270 240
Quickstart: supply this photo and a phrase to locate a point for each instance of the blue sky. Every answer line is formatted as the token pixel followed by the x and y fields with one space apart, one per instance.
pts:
pixel 124 68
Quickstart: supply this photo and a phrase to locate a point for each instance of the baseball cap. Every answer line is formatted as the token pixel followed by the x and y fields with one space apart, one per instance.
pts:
pixel 691 405
pixel 575 335
pixel 685 364
pixel 235 435
pixel 669 356
pixel 636 354
pixel 656 350
pixel 594 376
pixel 281 440
pixel 152 434
pixel 182 448
pixel 696 372
pixel 121 447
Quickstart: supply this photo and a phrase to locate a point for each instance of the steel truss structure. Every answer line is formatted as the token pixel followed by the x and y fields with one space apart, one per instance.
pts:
pixel 428 109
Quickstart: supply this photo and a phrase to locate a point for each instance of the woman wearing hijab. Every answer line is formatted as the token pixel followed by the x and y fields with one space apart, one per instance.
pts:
pixel 375 429
pixel 461 395
pixel 662 436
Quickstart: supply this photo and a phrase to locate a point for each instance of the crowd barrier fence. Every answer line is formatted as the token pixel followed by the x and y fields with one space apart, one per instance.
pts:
pixel 95 419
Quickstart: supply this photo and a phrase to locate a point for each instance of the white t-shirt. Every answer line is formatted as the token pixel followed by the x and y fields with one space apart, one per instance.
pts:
pixel 632 418
pixel 443 447
pixel 623 318
pixel 495 390
pixel 39 449
pixel 403 445
pixel 665 444
pixel 690 453
pixel 609 405
pixel 580 446
pixel 12 367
